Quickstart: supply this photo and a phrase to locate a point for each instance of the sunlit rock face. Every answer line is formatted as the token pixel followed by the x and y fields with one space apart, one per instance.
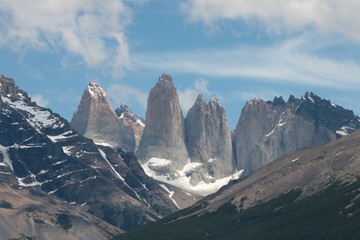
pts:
pixel 96 119
pixel 208 137
pixel 269 130
pixel 164 135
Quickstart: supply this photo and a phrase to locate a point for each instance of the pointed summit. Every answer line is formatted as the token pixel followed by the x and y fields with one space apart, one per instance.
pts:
pixel 9 89
pixel 208 137
pixel 129 118
pixel 164 131
pixel 96 119
pixel 200 100
pixel 165 80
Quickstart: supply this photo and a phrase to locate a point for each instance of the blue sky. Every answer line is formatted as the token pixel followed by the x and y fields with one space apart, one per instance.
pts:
pixel 235 50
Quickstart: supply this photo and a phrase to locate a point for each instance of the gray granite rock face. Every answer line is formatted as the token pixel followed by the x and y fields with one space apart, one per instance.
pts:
pixel 129 118
pixel 96 119
pixel 164 135
pixel 269 130
pixel 208 138
pixel 38 148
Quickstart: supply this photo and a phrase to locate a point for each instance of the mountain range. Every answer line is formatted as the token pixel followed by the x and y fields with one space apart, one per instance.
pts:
pixel 40 150
pixel 199 153
pixel 312 193
pixel 110 171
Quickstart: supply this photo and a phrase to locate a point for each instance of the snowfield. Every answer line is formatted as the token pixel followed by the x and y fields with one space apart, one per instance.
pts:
pixel 181 179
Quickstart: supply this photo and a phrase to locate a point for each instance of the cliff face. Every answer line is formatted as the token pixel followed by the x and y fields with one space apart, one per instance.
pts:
pixel 39 149
pixel 269 130
pixel 208 138
pixel 129 118
pixel 193 154
pixel 96 119
pixel 163 135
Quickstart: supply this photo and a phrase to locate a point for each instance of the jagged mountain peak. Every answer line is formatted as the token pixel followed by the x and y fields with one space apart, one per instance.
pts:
pixel 9 89
pixel 94 90
pixel 164 131
pixel 306 193
pixel 269 130
pixel 208 140
pixel 200 100
pixel 214 101
pixel 124 108
pixel 125 111
pixel 165 80
pixel 38 149
pixel 256 101
pixel 95 118
pixel 129 118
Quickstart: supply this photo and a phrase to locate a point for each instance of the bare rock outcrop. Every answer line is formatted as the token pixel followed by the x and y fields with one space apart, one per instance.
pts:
pixel 96 119
pixel 208 137
pixel 269 130
pixel 129 118
pixel 164 135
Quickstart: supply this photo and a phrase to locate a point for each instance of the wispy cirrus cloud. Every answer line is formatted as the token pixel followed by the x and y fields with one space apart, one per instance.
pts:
pixel 90 29
pixel 291 61
pixel 280 16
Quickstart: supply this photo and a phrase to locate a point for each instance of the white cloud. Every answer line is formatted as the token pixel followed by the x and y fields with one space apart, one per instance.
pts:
pixel 278 16
pixel 121 93
pixel 188 96
pixel 40 100
pixel 91 29
pixel 292 61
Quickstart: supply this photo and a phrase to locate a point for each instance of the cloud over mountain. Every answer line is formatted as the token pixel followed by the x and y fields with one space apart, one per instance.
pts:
pixel 88 29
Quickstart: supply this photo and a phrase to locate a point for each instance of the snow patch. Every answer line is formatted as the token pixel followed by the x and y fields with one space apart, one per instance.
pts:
pixel 171 193
pixel 140 122
pixel 31 146
pixel 5 152
pixel 158 162
pixel 311 99
pixel 188 167
pixel 39 118
pixel 59 162
pixel 67 150
pixel 105 144
pixel 32 184
pixel 43 172
pixel 279 124
pixel 65 135
pixel 182 179
pixel 344 131
pixel 103 154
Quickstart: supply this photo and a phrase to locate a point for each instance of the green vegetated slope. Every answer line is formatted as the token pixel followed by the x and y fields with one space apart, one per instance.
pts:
pixel 330 214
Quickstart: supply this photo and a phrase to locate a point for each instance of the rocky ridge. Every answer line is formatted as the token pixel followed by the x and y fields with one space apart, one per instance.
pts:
pixel 269 130
pixel 40 150
pixel 208 138
pixel 164 134
pixel 129 118
pixel 96 119
pixel 193 153
pixel 308 193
